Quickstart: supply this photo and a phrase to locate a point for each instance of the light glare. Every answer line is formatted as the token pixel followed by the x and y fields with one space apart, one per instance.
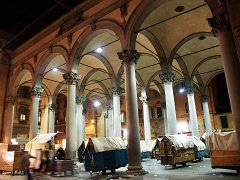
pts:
pixel 96 103
pixel 55 69
pixel 99 50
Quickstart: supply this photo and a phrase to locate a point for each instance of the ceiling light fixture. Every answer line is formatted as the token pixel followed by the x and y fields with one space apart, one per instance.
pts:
pixel 99 49
pixel 96 104
pixel 55 69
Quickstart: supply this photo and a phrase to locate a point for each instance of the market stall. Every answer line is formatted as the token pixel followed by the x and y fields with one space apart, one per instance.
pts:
pixel 224 150
pixel 103 154
pixel 176 149
pixel 200 150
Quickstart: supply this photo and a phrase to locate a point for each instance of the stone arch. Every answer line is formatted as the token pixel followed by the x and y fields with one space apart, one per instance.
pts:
pixel 156 44
pixel 217 73
pixel 88 35
pixel 57 91
pixel 106 64
pixel 152 78
pixel 17 76
pixel 183 41
pixel 46 59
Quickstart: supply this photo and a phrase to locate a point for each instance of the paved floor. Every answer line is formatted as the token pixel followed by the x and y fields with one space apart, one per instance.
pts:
pixel 192 171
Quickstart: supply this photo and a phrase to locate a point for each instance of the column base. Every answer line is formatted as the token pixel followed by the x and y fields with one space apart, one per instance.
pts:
pixel 136 170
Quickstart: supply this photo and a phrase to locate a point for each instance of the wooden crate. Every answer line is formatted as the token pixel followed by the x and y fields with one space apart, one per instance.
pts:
pixel 11 160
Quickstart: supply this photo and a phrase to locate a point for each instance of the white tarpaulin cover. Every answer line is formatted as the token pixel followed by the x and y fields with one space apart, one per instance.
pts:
pixel 43 138
pixel 197 142
pixel 147 146
pixel 108 143
pixel 180 141
pixel 222 141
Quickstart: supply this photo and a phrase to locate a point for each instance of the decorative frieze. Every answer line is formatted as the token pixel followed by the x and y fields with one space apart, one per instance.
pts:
pixel 129 56
pixel 167 77
pixel 204 98
pixel 37 91
pixel 117 91
pixel 219 23
pixel 71 78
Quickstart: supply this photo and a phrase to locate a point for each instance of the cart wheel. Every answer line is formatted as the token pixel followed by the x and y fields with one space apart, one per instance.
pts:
pixel 113 171
pixel 174 165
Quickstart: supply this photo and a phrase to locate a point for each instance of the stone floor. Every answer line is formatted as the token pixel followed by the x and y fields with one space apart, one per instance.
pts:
pixel 192 171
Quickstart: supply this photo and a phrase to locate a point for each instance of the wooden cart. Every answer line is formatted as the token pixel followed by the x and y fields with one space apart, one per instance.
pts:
pixel 176 149
pixel 103 154
pixel 200 150
pixel 223 150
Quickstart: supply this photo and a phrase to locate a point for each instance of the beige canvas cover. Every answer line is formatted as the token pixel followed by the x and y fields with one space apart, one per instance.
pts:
pixel 222 141
pixel 102 144
pixel 180 141
pixel 198 143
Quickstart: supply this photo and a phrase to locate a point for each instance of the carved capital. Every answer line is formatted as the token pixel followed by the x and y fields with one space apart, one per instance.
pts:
pixel 109 107
pixel 129 56
pixel 37 91
pixel 105 115
pixel 190 90
pixel 52 107
pixel 167 77
pixel 117 91
pixel 144 99
pixel 11 100
pixel 71 78
pixel 80 99
pixel 204 98
pixel 219 23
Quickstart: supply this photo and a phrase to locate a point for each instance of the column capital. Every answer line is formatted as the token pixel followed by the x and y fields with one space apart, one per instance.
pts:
pixel 219 23
pixel 84 111
pixel 105 115
pixel 52 107
pixel 37 91
pixel 117 91
pixel 80 99
pixel 109 107
pixel 204 98
pixel 71 78
pixel 190 89
pixel 167 77
pixel 129 56
pixel 11 100
pixel 144 99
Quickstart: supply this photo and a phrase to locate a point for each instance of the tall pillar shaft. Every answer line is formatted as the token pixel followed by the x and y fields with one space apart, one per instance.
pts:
pixel 71 79
pixel 231 65
pixel 51 126
pixel 129 58
pixel 109 124
pixel 116 91
pixel 44 120
pixel 192 111
pixel 164 114
pixel 34 114
pixel 146 118
pixel 80 120
pixel 8 120
pixel 168 78
pixel 206 115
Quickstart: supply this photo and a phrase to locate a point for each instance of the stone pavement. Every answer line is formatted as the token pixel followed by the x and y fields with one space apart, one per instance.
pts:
pixel 192 171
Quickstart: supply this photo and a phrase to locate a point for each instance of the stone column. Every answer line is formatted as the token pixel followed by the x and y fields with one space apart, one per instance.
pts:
pixel 164 114
pixel 109 124
pixel 34 114
pixel 206 115
pixel 84 115
pixel 44 120
pixel 116 91
pixel 231 65
pixel 146 118
pixel 8 119
pixel 129 59
pixel 80 100
pixel 71 80
pixel 192 111
pixel 106 124
pixel 167 79
pixel 51 126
